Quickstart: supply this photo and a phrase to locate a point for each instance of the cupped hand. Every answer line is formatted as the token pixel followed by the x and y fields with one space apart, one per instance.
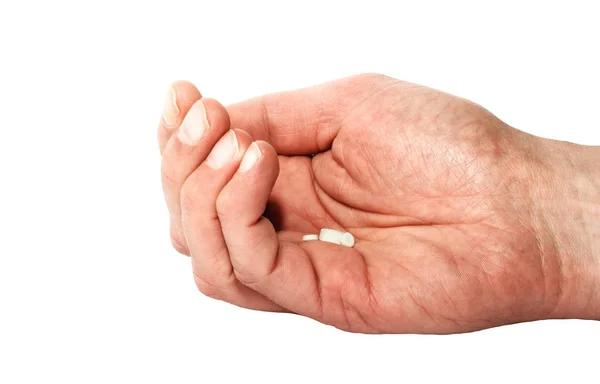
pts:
pixel 429 184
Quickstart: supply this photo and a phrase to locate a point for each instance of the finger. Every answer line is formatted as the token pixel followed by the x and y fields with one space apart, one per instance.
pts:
pixel 241 204
pixel 179 99
pixel 305 121
pixel 278 269
pixel 205 122
pixel 210 259
pixel 324 281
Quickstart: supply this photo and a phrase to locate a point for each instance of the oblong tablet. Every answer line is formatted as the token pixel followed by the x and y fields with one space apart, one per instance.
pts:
pixel 347 240
pixel 330 236
pixel 310 237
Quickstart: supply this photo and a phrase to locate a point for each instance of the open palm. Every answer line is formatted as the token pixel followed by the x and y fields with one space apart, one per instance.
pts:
pixel 422 179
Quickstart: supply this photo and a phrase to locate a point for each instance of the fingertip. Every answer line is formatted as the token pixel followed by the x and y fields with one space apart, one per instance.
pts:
pixel 270 169
pixel 253 154
pixel 240 133
pixel 260 155
pixel 216 113
pixel 203 116
pixel 179 98
pixel 186 92
pixel 265 147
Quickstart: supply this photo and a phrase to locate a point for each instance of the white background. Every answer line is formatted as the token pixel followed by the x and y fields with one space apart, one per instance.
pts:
pixel 90 289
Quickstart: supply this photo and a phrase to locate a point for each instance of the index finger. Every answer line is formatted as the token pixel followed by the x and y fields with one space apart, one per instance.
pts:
pixel 305 121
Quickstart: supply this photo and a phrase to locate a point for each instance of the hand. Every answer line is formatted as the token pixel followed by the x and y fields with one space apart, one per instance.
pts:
pixel 455 214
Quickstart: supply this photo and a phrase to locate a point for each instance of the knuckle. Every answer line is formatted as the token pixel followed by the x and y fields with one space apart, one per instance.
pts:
pixel 244 276
pixel 188 193
pixel 163 130
pixel 260 263
pixel 163 135
pixel 224 204
pixel 208 288
pixel 179 243
pixel 166 169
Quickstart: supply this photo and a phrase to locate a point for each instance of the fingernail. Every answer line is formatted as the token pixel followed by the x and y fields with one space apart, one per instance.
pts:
pixel 194 125
pixel 225 150
pixel 170 111
pixel 250 157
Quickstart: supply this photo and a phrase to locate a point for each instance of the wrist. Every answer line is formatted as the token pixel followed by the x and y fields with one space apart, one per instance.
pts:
pixel 565 213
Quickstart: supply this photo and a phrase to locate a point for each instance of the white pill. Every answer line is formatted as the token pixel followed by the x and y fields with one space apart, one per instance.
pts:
pixel 310 237
pixel 347 239
pixel 330 236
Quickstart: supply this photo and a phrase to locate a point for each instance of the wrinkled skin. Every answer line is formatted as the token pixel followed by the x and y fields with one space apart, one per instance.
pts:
pixel 432 186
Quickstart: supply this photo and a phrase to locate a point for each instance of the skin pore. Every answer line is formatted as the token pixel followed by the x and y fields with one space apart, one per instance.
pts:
pixel 461 221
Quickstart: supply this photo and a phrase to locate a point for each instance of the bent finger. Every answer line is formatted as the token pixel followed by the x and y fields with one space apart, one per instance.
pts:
pixel 210 258
pixel 180 97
